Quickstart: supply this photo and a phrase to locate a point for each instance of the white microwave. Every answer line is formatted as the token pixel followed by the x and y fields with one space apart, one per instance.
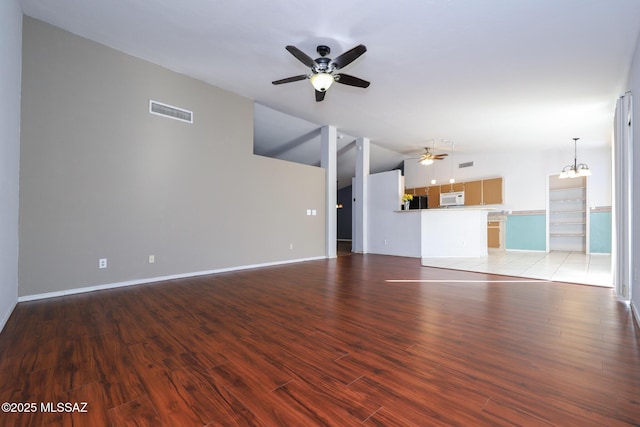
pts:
pixel 452 199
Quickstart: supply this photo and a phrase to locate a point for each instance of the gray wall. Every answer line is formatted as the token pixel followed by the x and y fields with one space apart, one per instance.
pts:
pixel 10 65
pixel 102 178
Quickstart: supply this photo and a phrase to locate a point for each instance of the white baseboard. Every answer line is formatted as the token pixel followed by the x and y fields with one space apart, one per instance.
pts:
pixel 156 279
pixel 635 312
pixel 5 317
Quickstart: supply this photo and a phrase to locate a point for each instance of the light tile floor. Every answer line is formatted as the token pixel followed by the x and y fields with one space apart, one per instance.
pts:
pixel 558 266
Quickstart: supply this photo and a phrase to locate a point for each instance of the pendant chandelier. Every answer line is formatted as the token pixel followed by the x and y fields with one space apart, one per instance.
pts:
pixel 576 169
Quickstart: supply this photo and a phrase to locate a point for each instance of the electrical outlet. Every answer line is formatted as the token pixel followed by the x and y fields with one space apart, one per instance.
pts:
pixel 102 263
pixel 152 259
pixel 290 245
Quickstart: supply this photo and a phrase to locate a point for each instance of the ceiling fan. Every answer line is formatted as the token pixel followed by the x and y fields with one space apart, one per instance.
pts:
pixel 323 69
pixel 428 157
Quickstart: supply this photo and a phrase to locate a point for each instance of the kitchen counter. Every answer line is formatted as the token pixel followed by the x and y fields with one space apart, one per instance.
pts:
pixel 452 232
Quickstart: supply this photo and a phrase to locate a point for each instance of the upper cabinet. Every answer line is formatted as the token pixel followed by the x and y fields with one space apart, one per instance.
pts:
pixel 434 197
pixel 476 193
pixel 492 191
pixel 473 193
pixel 450 188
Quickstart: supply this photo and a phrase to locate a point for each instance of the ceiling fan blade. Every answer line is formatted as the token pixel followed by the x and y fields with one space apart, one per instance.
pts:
pixel 349 56
pixel 290 79
pixel 320 95
pixel 302 57
pixel 346 79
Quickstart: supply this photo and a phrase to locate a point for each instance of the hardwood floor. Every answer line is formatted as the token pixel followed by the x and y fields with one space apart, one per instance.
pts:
pixel 327 342
pixel 344 248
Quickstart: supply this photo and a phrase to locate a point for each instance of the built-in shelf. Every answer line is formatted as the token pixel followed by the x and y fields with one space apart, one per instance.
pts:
pixel 563 188
pixel 567 201
pixel 580 211
pixel 567 214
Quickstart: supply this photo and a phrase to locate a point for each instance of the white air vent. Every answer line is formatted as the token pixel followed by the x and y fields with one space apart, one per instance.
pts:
pixel 170 111
pixel 465 165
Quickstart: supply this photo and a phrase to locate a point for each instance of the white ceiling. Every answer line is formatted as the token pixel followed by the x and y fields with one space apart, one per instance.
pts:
pixel 487 74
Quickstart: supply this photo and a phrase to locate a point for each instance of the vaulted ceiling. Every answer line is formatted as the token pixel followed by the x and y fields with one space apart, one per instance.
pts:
pixel 487 74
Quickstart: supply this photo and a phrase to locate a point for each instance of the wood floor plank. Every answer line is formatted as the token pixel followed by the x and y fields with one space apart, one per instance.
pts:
pixel 385 417
pixel 321 408
pixel 506 414
pixel 261 402
pixel 327 342
pixel 137 413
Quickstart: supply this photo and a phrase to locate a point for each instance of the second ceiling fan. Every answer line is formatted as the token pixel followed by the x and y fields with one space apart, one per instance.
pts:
pixel 323 69
pixel 428 157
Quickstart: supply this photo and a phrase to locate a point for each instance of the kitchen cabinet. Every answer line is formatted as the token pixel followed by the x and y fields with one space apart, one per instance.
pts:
pixel 476 193
pixel 473 193
pixel 492 191
pixel 450 188
pixel 493 234
pixel 483 192
pixel 433 200
pixel 421 191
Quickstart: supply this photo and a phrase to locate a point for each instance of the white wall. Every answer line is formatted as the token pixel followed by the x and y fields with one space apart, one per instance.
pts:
pixel 391 232
pixel 634 86
pixel 524 172
pixel 10 72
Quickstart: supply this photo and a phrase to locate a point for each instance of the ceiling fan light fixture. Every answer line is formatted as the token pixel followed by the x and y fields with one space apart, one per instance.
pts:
pixel 321 81
pixel 426 162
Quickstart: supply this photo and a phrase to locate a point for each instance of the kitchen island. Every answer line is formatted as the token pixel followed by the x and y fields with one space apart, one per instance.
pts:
pixel 456 231
pixel 452 232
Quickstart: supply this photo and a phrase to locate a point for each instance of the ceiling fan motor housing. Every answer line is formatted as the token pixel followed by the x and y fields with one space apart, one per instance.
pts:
pixel 322 65
pixel 323 50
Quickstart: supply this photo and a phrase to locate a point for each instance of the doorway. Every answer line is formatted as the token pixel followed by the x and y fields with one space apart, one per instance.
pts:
pixel 344 223
pixel 567 219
